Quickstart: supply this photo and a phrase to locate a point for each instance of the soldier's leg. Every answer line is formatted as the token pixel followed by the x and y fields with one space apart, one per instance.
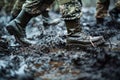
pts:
pixel 47 20
pixel 30 9
pixel 1 4
pixel 71 13
pixel 55 7
pixel 101 10
pixel 17 8
pixel 8 5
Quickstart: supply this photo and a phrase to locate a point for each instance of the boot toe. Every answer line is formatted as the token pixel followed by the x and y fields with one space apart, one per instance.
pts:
pixel 96 41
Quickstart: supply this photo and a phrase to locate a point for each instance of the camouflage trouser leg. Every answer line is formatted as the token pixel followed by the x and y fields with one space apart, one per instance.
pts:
pixel 71 10
pixel 102 8
pixel 71 13
pixel 36 7
pixel 17 7
pixel 8 5
pixel 1 4
pixel 117 5
pixel 55 6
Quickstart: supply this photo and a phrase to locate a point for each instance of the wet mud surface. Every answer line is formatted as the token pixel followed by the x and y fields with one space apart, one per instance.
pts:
pixel 50 59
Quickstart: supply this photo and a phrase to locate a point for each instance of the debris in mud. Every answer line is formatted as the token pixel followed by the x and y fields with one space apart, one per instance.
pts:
pixel 50 60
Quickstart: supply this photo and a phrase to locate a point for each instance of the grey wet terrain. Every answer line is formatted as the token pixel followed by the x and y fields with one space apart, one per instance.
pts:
pixel 49 59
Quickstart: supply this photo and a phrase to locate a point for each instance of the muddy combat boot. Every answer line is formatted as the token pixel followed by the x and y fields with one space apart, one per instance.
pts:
pixel 76 37
pixel 17 27
pixel 47 20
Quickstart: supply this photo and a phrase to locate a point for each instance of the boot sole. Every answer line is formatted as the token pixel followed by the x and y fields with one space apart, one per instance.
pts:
pixel 95 44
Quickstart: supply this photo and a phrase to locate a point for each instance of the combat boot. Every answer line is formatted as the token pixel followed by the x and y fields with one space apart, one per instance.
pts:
pixel 77 37
pixel 17 27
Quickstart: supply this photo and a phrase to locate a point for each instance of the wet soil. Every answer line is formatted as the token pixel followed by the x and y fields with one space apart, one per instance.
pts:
pixel 49 59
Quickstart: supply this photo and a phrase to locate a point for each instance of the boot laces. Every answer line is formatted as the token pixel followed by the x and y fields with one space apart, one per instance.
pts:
pixel 87 37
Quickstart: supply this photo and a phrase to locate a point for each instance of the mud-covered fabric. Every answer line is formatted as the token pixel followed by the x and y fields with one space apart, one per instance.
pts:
pixel 118 4
pixel 61 2
pixel 102 7
pixel 1 4
pixel 17 7
pixel 8 5
pixel 36 6
pixel 71 10
pixel 102 1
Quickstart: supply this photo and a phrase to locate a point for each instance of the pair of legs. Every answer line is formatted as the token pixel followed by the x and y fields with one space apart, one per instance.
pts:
pixel 102 10
pixel 70 10
pixel 18 7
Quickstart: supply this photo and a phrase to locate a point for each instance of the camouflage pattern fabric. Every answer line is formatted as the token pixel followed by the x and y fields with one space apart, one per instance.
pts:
pixel 71 10
pixel 17 7
pixel 8 5
pixel 117 5
pixel 102 8
pixel 35 7
pixel 62 2
pixel 1 4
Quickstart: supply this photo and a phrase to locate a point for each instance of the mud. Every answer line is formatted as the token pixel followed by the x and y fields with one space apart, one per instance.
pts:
pixel 49 59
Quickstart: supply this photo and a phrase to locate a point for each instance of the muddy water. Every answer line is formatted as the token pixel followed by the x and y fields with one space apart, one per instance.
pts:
pixel 49 59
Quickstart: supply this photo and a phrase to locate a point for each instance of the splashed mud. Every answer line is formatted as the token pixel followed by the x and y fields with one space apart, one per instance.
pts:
pixel 51 60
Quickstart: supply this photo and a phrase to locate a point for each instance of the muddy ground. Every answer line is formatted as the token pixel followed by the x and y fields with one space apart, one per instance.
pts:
pixel 49 59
